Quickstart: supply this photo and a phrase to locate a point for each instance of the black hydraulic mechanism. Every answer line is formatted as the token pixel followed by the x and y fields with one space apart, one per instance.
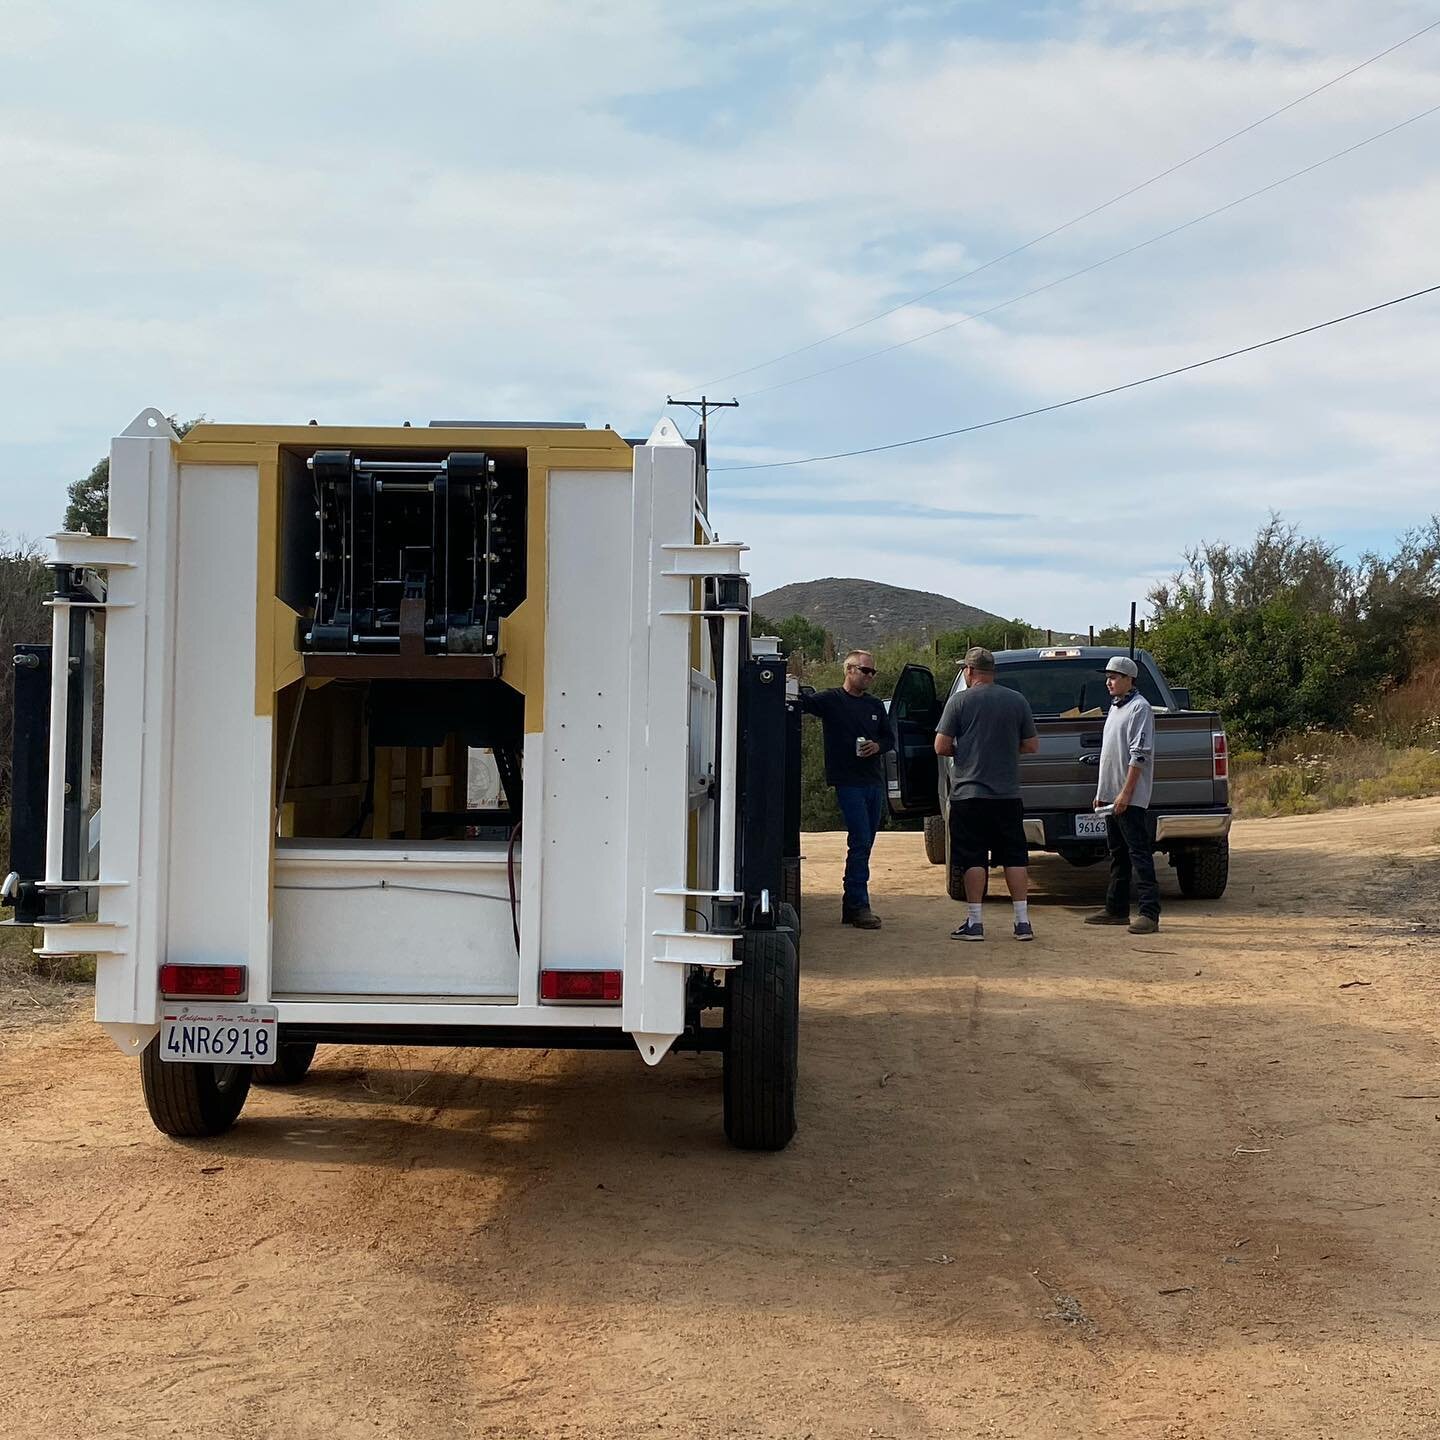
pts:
pixel 24 890
pixel 416 557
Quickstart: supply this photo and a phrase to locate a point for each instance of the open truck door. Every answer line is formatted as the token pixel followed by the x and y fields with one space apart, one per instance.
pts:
pixel 915 712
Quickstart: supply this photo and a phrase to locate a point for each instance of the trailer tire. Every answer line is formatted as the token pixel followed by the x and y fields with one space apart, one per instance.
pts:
pixel 290 1067
pixel 787 919
pixel 935 839
pixel 790 885
pixel 1203 870
pixel 762 1025
pixel 188 1100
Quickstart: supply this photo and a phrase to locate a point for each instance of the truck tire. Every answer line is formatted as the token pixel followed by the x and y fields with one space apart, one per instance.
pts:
pixel 790 885
pixel 935 839
pixel 955 876
pixel 762 1029
pixel 1203 870
pixel 290 1066
pixel 188 1100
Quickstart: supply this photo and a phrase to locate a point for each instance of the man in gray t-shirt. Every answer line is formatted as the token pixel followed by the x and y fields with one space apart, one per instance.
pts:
pixel 985 729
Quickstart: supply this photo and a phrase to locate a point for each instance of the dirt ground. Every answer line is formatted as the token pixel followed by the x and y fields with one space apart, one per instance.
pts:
pixel 1178 1186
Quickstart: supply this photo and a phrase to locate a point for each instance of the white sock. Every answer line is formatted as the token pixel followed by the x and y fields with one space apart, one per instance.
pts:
pixel 1022 912
pixel 975 913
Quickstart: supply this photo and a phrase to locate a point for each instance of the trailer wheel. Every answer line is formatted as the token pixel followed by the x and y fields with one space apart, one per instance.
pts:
pixel 188 1100
pixel 762 1024
pixel 935 839
pixel 1203 870
pixel 790 884
pixel 290 1067
pixel 787 919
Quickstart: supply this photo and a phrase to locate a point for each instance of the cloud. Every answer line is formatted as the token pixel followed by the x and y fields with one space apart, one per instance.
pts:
pixel 527 212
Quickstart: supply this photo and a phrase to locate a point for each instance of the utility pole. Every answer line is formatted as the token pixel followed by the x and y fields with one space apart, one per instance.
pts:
pixel 704 405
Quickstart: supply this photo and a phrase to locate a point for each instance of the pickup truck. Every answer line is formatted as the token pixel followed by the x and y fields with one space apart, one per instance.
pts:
pixel 1190 806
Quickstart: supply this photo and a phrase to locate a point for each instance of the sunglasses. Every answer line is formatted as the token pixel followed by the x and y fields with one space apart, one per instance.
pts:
pixel 863 669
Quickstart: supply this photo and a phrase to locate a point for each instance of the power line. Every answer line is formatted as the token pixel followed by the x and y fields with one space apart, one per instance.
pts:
pixel 1081 399
pixel 1094 265
pixel 1085 215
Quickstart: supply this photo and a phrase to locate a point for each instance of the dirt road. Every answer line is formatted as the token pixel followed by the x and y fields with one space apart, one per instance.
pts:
pixel 1176 1186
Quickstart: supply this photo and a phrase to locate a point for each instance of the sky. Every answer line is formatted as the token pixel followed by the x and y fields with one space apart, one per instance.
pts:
pixel 373 212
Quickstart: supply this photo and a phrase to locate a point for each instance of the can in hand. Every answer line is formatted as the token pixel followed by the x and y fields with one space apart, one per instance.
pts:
pixel 859 745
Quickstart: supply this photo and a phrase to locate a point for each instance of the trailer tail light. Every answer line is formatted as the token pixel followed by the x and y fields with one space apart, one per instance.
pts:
pixel 1222 756
pixel 602 986
pixel 185 982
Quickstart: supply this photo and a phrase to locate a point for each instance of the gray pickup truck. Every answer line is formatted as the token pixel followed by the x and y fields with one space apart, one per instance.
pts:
pixel 1065 685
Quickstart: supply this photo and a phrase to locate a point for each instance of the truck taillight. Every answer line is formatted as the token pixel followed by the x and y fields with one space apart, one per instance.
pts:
pixel 1222 756
pixel 601 985
pixel 185 982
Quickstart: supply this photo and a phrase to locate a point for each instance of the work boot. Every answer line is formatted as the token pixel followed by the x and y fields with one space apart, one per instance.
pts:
pixel 862 919
pixel 1104 917
pixel 1144 925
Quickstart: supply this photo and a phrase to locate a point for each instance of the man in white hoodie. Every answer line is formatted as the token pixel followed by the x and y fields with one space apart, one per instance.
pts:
pixel 1127 770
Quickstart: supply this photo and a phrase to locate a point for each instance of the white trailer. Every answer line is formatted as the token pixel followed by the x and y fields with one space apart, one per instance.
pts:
pixel 309 634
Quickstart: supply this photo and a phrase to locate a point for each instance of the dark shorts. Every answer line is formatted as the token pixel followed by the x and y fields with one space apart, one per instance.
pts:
pixel 986 832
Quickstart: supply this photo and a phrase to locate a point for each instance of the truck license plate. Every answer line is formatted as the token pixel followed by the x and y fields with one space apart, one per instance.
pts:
pixel 219 1034
pixel 1090 827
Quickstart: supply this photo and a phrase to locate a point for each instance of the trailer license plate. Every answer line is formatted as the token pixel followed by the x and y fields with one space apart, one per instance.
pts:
pixel 1090 827
pixel 219 1034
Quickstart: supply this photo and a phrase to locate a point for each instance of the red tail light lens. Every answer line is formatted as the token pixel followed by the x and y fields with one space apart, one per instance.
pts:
pixel 181 982
pixel 1222 756
pixel 603 986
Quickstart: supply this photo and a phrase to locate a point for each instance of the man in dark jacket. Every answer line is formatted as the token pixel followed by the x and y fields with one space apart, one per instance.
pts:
pixel 857 733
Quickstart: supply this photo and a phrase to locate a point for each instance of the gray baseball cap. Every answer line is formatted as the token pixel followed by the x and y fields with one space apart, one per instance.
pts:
pixel 1122 665
pixel 980 658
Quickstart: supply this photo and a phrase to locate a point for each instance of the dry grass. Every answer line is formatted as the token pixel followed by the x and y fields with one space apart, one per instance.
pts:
pixel 1326 771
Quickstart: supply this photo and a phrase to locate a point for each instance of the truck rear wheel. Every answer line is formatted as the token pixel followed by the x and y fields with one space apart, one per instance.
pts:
pixel 935 839
pixel 290 1067
pixel 1203 870
pixel 954 875
pixel 762 1031
pixel 187 1100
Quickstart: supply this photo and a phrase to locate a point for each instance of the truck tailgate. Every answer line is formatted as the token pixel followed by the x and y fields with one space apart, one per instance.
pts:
pixel 1062 774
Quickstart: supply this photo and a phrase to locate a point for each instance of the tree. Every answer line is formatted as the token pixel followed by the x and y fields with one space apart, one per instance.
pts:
pixel 798 636
pixel 89 509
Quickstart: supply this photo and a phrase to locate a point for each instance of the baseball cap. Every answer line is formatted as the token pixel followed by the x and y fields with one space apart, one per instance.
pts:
pixel 980 658
pixel 1123 665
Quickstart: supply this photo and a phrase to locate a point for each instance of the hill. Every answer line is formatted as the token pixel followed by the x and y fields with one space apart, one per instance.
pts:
pixel 865 612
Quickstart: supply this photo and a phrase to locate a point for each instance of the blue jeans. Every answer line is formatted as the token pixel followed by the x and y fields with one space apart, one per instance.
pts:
pixel 863 807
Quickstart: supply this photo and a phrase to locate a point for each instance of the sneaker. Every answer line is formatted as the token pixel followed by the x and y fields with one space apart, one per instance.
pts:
pixel 970 930
pixel 1144 925
pixel 1023 930
pixel 863 919
pixel 1104 917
